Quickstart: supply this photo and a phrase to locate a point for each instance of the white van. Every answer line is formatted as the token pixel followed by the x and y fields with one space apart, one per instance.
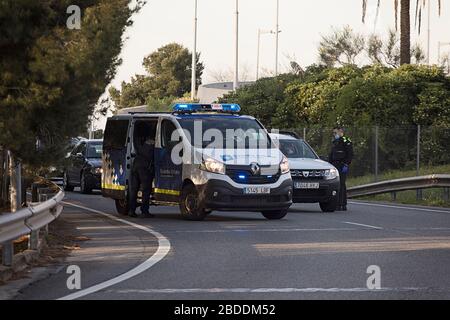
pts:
pixel 207 157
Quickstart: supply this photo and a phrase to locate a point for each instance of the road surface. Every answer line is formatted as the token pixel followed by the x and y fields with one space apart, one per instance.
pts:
pixel 240 255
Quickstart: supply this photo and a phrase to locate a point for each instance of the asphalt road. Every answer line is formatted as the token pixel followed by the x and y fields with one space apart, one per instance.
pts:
pixel 241 255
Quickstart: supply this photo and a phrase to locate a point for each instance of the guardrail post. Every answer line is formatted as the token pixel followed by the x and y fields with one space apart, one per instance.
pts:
pixel 446 194
pixel 33 242
pixel 7 253
pixel 394 196
pixel 35 191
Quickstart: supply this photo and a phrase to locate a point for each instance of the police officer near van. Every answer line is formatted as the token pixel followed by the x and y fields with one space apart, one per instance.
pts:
pixel 142 173
pixel 341 156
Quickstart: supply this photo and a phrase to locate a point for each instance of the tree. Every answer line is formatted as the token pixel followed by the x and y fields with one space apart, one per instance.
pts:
pixel 405 23
pixel 388 52
pixel 168 75
pixel 51 77
pixel 341 47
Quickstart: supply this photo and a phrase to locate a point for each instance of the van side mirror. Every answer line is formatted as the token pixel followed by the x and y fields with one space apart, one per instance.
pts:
pixel 79 155
pixel 324 158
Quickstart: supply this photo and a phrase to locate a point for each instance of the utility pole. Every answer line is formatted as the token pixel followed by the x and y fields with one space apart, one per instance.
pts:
pixel 194 57
pixel 260 32
pixel 441 44
pixel 236 57
pixel 419 191
pixel 429 32
pixel 276 38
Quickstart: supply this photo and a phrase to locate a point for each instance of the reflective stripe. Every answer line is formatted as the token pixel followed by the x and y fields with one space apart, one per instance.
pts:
pixel 112 186
pixel 167 191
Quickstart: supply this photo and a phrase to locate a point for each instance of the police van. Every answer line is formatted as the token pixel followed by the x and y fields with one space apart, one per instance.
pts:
pixel 207 157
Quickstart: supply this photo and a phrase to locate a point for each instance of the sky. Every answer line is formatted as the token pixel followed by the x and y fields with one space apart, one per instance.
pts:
pixel 302 23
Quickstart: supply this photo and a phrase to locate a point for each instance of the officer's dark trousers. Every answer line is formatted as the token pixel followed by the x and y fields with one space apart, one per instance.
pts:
pixel 144 178
pixel 343 189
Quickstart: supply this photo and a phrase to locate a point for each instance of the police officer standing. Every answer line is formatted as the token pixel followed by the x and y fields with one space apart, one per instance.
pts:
pixel 142 173
pixel 341 156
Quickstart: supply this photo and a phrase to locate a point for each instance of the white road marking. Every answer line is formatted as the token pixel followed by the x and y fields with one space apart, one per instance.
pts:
pixel 269 290
pixel 362 225
pixel 261 230
pixel 161 252
pixel 399 207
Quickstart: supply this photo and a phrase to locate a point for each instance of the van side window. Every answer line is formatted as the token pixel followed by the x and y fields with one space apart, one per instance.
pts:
pixel 168 127
pixel 116 134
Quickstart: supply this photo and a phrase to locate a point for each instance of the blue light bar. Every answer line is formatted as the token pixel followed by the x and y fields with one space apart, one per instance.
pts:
pixel 195 107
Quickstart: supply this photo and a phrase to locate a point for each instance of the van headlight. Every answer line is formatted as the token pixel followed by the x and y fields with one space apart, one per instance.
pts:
pixel 284 165
pixel 331 174
pixel 213 166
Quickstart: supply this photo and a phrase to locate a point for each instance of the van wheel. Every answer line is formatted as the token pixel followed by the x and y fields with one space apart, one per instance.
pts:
pixel 329 206
pixel 66 185
pixel 190 207
pixel 275 214
pixel 122 206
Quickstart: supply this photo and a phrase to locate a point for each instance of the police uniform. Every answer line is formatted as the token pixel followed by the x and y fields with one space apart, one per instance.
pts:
pixel 341 156
pixel 142 173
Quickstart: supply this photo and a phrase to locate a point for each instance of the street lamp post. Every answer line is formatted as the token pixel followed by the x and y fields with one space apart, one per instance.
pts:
pixel 428 32
pixel 194 57
pixel 441 44
pixel 260 32
pixel 277 31
pixel 236 57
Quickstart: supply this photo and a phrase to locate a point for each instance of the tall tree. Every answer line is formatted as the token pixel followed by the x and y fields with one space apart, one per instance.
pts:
pixel 168 75
pixel 405 22
pixel 51 76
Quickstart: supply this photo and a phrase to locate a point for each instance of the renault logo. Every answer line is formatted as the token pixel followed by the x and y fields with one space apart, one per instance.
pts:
pixel 255 168
pixel 305 174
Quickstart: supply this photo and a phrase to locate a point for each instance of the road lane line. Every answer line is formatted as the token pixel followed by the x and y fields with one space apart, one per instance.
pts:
pixel 399 207
pixel 270 290
pixel 161 252
pixel 260 230
pixel 362 225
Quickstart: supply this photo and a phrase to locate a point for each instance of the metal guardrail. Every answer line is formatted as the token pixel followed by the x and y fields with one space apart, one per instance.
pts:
pixel 411 183
pixel 29 220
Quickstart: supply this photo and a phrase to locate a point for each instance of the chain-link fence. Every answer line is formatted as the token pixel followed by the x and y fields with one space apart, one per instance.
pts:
pixel 380 150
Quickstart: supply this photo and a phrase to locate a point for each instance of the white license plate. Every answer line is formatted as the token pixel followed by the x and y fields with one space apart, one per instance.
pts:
pixel 306 185
pixel 257 190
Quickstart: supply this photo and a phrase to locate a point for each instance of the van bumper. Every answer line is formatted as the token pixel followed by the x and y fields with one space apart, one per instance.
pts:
pixel 220 195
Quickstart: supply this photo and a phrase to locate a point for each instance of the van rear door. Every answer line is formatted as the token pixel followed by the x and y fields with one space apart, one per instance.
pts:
pixel 115 158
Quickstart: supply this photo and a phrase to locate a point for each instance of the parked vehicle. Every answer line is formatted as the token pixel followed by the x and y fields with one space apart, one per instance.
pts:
pixel 314 180
pixel 83 166
pixel 223 178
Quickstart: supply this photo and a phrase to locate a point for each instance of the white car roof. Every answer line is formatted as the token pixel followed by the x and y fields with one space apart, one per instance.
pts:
pixel 280 136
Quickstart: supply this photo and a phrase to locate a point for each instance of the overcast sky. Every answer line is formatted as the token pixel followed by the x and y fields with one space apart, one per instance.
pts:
pixel 302 23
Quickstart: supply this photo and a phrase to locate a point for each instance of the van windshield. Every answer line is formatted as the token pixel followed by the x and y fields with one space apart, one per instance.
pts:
pixel 223 132
pixel 296 149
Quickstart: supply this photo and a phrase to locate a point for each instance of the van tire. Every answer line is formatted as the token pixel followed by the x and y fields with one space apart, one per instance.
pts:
pixel 189 207
pixel 275 214
pixel 329 206
pixel 122 206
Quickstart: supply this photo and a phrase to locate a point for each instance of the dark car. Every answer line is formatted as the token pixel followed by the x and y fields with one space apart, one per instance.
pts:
pixel 84 166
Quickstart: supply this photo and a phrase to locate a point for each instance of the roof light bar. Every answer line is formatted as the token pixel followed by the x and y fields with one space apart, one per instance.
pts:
pixel 194 107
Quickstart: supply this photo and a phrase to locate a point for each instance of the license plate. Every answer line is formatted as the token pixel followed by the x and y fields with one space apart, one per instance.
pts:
pixel 306 185
pixel 256 190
